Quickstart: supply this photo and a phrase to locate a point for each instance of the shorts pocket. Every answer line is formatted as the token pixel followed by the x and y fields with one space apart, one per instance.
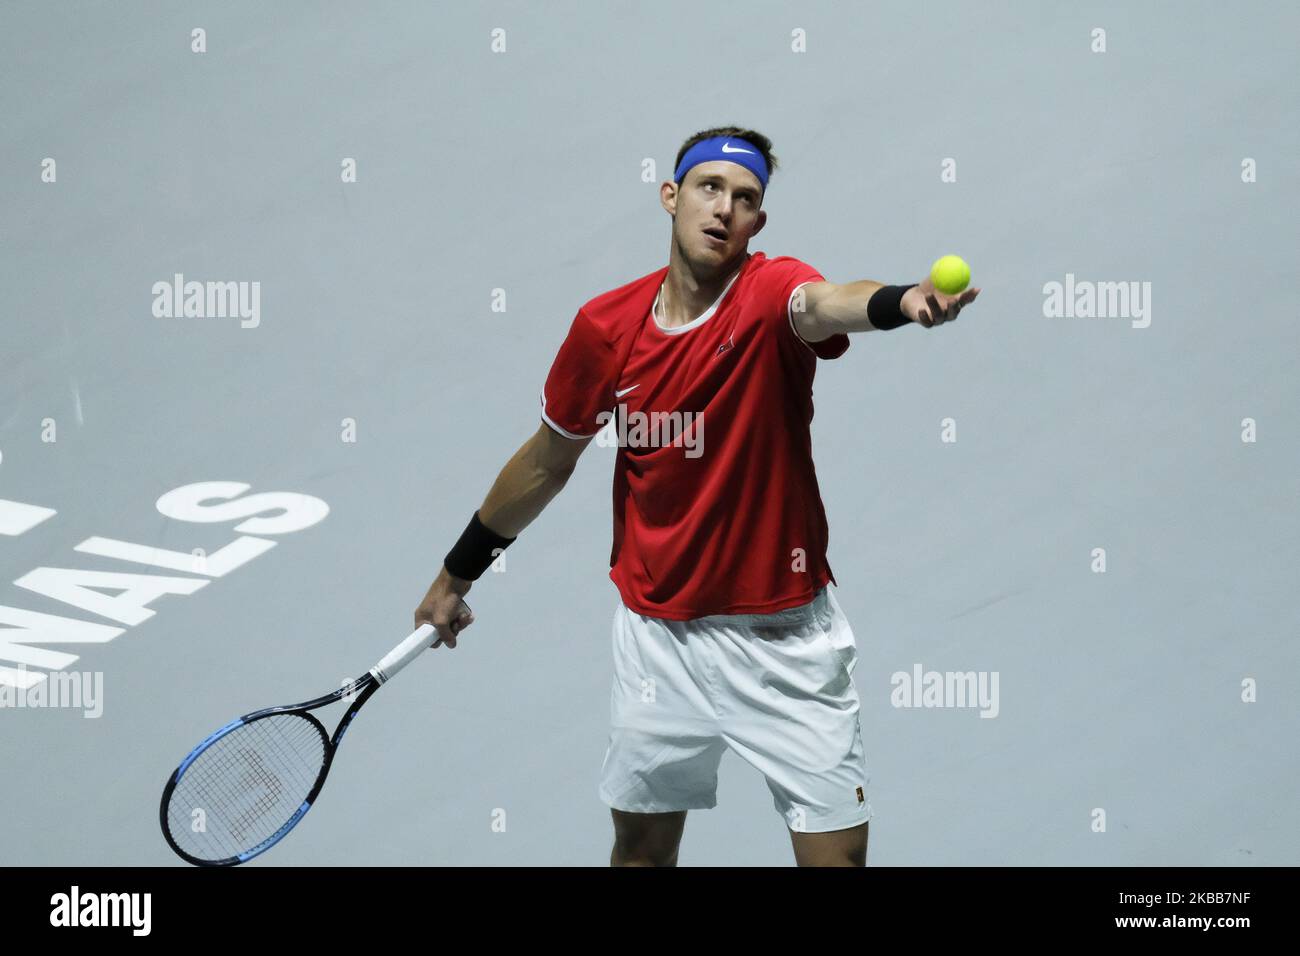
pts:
pixel 837 632
pixel 841 664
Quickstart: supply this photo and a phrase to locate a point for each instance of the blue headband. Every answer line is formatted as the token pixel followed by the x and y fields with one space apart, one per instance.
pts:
pixel 728 149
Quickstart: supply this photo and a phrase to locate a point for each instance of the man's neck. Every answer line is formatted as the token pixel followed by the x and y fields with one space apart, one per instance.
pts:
pixel 685 295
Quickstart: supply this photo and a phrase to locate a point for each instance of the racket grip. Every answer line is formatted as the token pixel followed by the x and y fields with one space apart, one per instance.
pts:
pixel 401 655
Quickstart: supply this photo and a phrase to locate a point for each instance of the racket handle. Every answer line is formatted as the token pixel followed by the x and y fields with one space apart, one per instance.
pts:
pixel 401 655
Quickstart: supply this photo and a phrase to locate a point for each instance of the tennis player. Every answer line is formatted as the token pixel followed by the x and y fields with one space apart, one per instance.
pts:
pixel 726 634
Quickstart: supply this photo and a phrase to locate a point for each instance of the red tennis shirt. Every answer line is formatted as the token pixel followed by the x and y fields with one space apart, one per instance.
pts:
pixel 716 504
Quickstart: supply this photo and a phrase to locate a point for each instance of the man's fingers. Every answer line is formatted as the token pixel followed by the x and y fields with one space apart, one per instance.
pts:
pixel 942 308
pixel 445 636
pixel 936 310
pixel 463 619
pixel 447 633
pixel 955 303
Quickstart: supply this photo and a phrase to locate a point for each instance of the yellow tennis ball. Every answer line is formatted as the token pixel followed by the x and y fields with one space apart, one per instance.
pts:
pixel 950 274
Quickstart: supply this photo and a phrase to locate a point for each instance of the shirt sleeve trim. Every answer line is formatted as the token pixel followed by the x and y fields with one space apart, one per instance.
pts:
pixel 789 307
pixel 563 431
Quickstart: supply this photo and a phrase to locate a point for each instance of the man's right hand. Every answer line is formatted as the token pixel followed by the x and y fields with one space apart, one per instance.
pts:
pixel 444 607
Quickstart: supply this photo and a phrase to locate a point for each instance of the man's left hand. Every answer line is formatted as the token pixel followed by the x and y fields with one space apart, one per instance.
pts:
pixel 930 307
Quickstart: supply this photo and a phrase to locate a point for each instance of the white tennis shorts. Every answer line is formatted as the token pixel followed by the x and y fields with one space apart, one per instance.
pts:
pixel 775 688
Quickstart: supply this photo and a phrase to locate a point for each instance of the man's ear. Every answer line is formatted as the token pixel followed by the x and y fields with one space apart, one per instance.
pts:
pixel 668 197
pixel 761 222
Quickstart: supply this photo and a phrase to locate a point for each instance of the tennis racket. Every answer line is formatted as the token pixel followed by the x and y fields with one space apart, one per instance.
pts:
pixel 249 783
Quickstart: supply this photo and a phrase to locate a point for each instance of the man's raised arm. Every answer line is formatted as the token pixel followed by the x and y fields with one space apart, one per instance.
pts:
pixel 823 309
pixel 530 479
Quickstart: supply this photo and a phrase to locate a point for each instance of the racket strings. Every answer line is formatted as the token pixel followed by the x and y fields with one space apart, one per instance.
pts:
pixel 247 784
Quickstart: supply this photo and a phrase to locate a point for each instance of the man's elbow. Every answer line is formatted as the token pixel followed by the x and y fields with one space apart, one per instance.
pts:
pixel 813 326
pixel 558 474
pixel 555 456
pixel 813 311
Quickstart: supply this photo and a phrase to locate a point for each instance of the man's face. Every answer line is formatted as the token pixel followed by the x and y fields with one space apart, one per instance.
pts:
pixel 716 211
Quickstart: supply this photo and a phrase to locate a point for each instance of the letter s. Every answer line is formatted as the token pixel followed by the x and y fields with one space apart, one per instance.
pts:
pixel 298 511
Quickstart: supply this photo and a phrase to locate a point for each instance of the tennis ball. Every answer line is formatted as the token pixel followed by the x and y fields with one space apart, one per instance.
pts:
pixel 950 274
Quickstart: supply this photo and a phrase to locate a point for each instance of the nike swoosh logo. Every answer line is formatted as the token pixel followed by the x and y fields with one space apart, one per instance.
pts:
pixel 626 390
pixel 728 148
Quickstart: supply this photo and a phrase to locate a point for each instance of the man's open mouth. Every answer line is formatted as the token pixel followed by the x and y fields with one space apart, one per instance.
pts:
pixel 719 234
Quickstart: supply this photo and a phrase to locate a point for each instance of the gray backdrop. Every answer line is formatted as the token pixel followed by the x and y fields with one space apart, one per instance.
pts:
pixel 522 171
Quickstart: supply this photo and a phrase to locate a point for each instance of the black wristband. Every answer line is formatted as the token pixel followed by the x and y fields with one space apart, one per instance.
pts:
pixel 884 308
pixel 474 553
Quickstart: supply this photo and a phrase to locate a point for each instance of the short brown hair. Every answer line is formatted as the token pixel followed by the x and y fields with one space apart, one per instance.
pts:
pixel 753 136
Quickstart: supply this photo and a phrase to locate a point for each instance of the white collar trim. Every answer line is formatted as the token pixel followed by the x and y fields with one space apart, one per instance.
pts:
pixel 702 318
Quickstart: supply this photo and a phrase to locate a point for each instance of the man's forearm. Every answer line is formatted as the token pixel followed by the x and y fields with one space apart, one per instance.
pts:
pixel 521 492
pixel 530 479
pixel 845 310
